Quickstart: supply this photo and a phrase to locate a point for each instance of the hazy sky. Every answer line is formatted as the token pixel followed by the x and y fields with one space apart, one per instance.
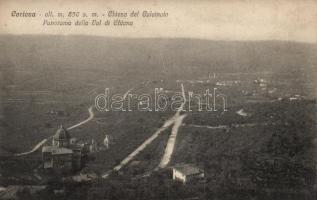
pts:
pixel 294 20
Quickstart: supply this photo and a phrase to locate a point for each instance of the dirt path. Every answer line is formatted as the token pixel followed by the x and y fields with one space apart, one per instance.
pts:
pixel 176 120
pixel 91 116
pixel 207 126
pixel 41 143
pixel 125 161
pixel 38 145
pixel 169 149
pixel 242 125
pixel 171 143
pixel 167 124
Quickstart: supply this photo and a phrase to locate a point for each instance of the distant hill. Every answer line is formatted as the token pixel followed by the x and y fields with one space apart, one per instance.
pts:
pixel 154 57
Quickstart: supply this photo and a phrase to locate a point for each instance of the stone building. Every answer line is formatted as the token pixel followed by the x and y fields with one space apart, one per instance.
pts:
pixel 186 173
pixel 64 155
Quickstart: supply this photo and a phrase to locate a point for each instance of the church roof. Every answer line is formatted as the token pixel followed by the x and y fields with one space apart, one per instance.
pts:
pixel 56 150
pixel 61 134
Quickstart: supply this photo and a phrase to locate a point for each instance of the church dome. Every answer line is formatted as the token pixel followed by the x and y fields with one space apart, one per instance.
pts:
pixel 61 134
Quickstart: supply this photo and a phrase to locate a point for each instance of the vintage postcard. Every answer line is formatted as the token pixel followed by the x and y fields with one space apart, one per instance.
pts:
pixel 158 100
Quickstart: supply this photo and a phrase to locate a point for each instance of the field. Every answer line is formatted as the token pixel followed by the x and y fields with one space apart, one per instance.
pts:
pixel 51 80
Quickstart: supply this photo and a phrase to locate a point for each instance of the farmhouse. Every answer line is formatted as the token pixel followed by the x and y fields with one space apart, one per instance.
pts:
pixel 186 173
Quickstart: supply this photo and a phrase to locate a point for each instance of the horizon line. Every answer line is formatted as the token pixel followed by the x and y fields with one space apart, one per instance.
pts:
pixel 163 37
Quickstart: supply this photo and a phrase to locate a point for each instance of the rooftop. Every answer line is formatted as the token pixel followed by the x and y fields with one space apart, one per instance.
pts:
pixel 56 150
pixel 61 134
pixel 188 169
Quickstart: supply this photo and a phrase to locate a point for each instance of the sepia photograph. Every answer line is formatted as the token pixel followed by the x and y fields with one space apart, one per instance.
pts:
pixel 158 100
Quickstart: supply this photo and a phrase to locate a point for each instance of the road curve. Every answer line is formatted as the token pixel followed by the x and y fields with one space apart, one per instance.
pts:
pixel 38 145
pixel 91 116
pixel 41 143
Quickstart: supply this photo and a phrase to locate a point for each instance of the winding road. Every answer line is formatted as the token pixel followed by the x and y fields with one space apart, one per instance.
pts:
pixel 91 116
pixel 41 143
pixel 38 145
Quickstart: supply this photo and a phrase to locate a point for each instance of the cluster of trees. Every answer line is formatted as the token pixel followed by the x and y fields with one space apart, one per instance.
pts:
pixel 287 158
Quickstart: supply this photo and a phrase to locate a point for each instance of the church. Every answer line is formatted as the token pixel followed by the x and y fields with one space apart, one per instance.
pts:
pixel 64 155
